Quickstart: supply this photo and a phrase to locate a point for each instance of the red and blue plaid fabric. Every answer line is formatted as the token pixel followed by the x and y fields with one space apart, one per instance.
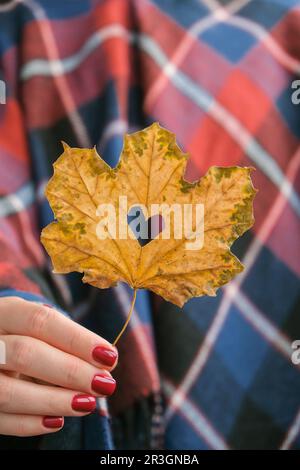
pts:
pixel 219 75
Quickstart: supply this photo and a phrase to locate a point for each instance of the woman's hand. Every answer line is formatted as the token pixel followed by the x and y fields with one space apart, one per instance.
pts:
pixel 53 368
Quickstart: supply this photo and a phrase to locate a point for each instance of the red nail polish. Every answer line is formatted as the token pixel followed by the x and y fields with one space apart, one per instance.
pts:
pixel 53 422
pixel 83 403
pixel 103 385
pixel 107 357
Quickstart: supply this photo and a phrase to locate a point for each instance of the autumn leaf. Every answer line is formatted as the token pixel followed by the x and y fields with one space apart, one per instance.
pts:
pixel 150 171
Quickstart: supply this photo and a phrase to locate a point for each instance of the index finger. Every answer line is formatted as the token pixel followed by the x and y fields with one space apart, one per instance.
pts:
pixel 41 321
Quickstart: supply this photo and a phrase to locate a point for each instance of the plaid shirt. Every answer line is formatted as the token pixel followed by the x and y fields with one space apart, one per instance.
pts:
pixel 219 75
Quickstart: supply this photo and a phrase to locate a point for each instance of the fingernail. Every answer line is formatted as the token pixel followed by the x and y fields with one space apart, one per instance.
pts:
pixel 107 357
pixel 83 403
pixel 103 385
pixel 48 305
pixel 53 422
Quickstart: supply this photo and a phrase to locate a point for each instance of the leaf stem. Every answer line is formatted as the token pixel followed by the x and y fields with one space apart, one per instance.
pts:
pixel 128 317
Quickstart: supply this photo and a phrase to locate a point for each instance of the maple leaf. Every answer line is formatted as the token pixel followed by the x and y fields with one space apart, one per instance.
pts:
pixel 150 171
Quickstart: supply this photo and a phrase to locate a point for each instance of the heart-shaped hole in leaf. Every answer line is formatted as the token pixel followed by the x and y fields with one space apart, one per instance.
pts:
pixel 144 230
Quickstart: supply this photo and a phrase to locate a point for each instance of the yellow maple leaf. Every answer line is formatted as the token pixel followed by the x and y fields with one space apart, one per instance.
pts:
pixel 150 172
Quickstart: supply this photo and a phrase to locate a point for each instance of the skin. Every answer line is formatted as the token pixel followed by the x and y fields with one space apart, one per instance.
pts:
pixel 48 361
